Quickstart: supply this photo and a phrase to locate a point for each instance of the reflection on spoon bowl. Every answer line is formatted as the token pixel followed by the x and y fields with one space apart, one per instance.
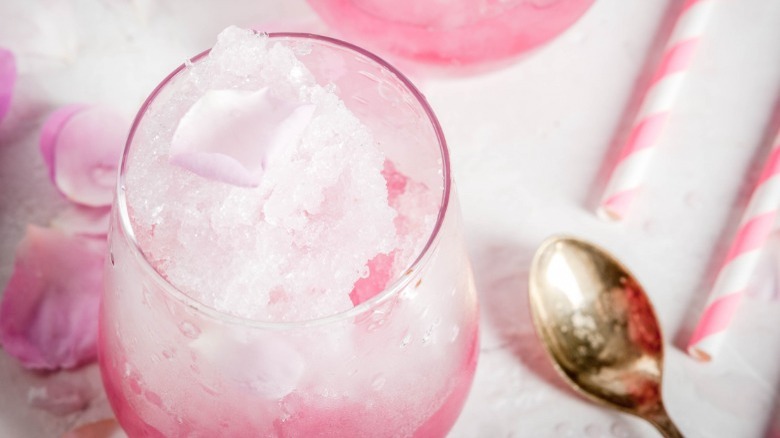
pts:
pixel 599 328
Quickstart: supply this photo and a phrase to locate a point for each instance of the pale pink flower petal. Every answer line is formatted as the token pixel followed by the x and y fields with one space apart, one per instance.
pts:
pixel 84 221
pixel 7 80
pixel 51 131
pixel 108 428
pixel 231 135
pixel 49 309
pixel 64 393
pixel 82 147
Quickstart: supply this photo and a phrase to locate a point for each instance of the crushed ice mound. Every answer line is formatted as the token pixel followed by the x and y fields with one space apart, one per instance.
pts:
pixel 290 241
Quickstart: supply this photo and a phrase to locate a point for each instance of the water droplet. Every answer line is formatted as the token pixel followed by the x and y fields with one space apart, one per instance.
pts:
pixel 134 381
pixel 428 334
pixel 153 398
pixel 454 332
pixel 111 257
pixel 189 330
pixel 564 430
pixel 593 431
pixel 378 382
pixel 620 430
pixel 406 340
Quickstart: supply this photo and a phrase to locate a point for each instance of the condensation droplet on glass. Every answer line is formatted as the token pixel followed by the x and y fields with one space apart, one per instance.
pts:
pixel 406 340
pixel 454 332
pixel 428 334
pixel 620 430
pixel 134 382
pixel 153 398
pixel 169 353
pixel 189 330
pixel 171 306
pixel 378 382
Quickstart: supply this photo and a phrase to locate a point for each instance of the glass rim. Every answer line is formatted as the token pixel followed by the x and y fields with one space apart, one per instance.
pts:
pixel 398 283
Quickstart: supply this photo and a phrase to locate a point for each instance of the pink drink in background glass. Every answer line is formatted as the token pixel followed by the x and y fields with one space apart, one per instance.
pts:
pixel 451 31
pixel 399 361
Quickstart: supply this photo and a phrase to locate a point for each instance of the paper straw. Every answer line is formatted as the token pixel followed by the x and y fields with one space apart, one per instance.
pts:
pixel 634 159
pixel 743 256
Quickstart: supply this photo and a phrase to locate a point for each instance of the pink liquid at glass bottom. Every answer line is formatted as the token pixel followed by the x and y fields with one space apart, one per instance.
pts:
pixel 451 31
pixel 339 419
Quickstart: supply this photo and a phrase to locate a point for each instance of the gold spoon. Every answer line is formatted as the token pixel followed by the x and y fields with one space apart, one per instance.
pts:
pixel 599 328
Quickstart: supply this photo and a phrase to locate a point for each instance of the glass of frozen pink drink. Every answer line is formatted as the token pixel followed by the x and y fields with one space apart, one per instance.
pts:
pixel 451 32
pixel 325 291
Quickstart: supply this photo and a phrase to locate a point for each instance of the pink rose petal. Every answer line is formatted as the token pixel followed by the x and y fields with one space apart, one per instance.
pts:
pixel 82 146
pixel 64 393
pixel 49 309
pixel 51 131
pixel 84 221
pixel 231 135
pixel 7 80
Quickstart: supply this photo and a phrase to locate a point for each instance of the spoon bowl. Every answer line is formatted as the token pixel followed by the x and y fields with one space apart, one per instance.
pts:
pixel 599 328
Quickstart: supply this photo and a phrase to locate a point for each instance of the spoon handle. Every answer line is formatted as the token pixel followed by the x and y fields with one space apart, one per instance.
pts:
pixel 660 419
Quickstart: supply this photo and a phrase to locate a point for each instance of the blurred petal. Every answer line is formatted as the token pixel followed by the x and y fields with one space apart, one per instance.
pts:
pixel 84 221
pixel 63 393
pixel 100 429
pixel 7 80
pixel 230 135
pixel 49 309
pixel 82 147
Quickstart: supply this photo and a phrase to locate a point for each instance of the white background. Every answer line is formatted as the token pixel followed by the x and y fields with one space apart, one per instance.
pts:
pixel 528 144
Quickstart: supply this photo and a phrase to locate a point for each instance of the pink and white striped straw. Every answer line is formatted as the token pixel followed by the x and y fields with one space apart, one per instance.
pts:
pixel 741 260
pixel 634 159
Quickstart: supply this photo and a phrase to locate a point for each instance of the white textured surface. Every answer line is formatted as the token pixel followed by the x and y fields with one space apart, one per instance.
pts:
pixel 527 143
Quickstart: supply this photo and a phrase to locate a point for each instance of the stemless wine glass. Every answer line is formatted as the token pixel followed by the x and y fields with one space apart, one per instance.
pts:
pixel 399 364
pixel 453 32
